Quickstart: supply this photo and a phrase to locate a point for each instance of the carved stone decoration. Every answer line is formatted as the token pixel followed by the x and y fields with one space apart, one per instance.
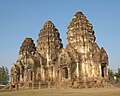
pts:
pixel 49 41
pixel 81 64
pixel 28 46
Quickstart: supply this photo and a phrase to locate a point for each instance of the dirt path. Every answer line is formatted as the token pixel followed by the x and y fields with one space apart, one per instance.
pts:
pixel 64 92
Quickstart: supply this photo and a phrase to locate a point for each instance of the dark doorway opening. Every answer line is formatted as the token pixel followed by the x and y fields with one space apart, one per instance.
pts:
pixel 103 69
pixel 66 72
pixel 31 76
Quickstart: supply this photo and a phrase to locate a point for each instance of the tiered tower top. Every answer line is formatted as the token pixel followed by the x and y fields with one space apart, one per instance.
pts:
pixel 27 46
pixel 79 29
pixel 49 39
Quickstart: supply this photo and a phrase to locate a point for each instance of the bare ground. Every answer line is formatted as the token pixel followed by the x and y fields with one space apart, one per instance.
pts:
pixel 64 92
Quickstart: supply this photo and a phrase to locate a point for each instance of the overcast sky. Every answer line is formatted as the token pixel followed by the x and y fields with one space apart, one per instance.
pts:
pixel 24 18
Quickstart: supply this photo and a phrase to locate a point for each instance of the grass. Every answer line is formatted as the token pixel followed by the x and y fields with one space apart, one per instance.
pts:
pixel 64 92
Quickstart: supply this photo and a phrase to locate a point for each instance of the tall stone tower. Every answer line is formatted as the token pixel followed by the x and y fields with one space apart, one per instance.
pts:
pixel 49 45
pixel 83 49
pixel 49 41
pixel 26 68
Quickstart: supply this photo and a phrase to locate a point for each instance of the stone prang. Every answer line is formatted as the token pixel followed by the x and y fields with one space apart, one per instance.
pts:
pixel 81 64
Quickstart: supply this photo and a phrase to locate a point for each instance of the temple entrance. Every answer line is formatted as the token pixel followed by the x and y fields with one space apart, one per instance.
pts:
pixel 66 72
pixel 103 65
pixel 31 75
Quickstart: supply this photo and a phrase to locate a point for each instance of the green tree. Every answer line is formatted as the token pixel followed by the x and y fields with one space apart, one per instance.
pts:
pixel 4 75
pixel 119 72
pixel 1 75
pixel 110 74
pixel 118 75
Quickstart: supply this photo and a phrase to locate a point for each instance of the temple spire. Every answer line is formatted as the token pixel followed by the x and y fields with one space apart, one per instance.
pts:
pixel 80 27
pixel 49 39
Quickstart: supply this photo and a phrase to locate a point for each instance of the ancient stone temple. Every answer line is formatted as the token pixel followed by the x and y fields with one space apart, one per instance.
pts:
pixel 81 64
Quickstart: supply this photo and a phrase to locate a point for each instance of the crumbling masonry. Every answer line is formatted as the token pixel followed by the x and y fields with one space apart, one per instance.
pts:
pixel 81 64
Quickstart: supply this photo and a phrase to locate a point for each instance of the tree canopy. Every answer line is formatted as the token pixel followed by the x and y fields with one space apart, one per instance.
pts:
pixel 4 75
